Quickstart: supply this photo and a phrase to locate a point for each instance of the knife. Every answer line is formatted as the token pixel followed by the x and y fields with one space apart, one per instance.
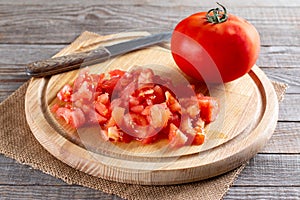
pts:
pixel 74 61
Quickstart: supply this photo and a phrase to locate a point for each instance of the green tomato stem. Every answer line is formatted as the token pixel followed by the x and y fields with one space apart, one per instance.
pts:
pixel 218 16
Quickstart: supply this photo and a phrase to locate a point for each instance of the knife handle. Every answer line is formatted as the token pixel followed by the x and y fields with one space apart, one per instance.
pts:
pixel 66 63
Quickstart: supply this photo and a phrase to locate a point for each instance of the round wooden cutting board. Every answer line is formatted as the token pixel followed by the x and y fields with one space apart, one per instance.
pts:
pixel 248 116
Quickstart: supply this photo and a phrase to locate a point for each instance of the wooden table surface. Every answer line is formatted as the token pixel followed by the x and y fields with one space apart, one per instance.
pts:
pixel 34 30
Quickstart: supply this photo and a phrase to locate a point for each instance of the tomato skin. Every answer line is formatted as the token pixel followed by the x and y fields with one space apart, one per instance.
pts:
pixel 215 52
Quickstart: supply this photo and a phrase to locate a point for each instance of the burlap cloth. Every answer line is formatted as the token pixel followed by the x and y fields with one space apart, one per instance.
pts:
pixel 17 142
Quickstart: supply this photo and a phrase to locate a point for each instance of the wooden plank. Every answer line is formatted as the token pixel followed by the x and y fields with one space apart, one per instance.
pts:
pixel 16 56
pixel 289 108
pixel 280 63
pixel 285 75
pixel 271 170
pixel 250 3
pixel 279 56
pixel 72 192
pixel 286 193
pixel 262 170
pixel 17 192
pixel 286 139
pixel 265 172
pixel 25 176
pixel 29 23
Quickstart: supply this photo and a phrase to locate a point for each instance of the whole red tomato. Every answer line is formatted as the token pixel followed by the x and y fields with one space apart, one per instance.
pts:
pixel 214 46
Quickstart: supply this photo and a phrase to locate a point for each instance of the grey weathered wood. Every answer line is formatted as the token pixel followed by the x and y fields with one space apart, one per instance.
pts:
pixel 16 56
pixel 286 139
pixel 52 193
pixel 289 109
pixel 24 23
pixel 262 170
pixel 277 170
pixel 290 76
pixel 50 25
pixel 286 193
pixel 170 3
pixel 271 170
pixel 281 57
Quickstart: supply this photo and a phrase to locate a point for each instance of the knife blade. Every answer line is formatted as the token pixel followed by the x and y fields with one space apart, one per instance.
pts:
pixel 74 61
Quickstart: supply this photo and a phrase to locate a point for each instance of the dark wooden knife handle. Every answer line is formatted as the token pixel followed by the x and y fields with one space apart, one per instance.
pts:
pixel 66 63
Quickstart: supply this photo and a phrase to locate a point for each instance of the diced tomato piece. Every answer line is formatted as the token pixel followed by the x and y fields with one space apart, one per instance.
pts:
pixel 65 113
pixel 137 109
pixel 108 85
pixel 175 119
pixel 190 107
pixel 99 82
pixel 172 103
pixel 139 119
pixel 103 98
pixel 116 73
pixel 113 133
pixel 96 118
pixel 193 110
pixel 159 115
pixel 110 122
pixel 124 137
pixel 133 101
pixel 150 140
pixel 118 115
pixel 199 125
pixel 146 111
pixel 82 77
pixel 145 77
pixel 148 102
pixel 54 108
pixel 145 92
pixel 78 118
pixel 101 119
pixel 176 137
pixel 68 106
pixel 84 107
pixel 209 108
pixel 136 125
pixel 73 117
pixel 187 126
pixel 65 93
pixel 96 95
pixel 93 117
pixel 199 95
pixel 83 93
pixel 159 95
pixel 198 139
pixel 102 109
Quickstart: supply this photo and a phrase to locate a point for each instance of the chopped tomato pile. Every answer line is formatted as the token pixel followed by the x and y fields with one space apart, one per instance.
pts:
pixel 136 105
